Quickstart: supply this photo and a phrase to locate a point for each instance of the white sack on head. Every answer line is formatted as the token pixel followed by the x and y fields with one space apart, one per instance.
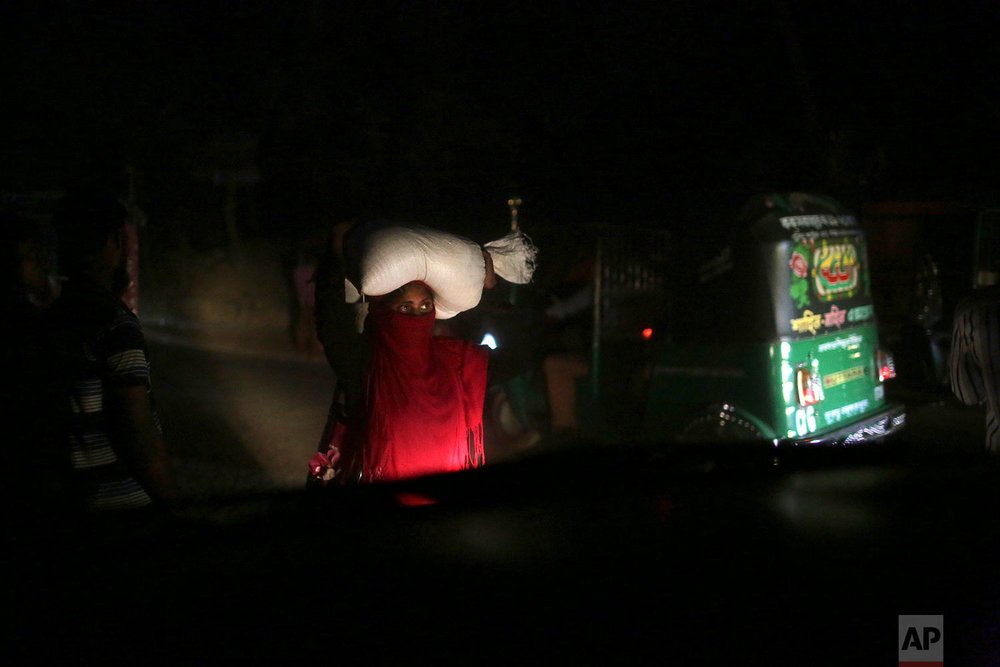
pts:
pixel 451 265
pixel 513 257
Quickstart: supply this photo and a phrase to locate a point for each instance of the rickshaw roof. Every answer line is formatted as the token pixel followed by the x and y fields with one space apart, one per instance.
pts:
pixel 776 217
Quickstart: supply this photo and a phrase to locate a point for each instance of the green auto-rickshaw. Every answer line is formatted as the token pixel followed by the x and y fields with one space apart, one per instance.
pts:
pixel 767 333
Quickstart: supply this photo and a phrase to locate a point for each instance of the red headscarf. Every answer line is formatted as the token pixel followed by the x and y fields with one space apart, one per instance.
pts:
pixel 425 399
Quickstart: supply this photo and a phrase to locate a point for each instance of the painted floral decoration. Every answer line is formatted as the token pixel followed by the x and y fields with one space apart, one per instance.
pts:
pixel 799 289
pixel 800 266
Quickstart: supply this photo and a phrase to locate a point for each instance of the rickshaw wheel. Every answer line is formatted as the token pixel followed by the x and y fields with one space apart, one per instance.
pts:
pixel 505 434
pixel 721 424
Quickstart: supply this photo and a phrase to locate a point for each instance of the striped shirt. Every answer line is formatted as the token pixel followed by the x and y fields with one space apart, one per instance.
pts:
pixel 975 358
pixel 102 348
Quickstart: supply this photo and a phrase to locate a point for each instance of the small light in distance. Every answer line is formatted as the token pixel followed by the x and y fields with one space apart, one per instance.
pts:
pixel 489 341
pixel 647 333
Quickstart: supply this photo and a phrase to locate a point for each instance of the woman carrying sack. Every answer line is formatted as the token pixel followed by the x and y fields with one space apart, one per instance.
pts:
pixel 408 403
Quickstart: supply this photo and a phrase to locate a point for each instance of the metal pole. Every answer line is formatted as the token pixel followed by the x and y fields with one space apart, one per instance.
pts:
pixel 513 203
pixel 595 341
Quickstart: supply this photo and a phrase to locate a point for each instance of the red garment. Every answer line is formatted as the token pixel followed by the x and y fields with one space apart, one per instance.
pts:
pixel 425 399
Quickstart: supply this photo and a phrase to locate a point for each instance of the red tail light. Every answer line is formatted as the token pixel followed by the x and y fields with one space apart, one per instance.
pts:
pixel 808 388
pixel 885 364
pixel 647 333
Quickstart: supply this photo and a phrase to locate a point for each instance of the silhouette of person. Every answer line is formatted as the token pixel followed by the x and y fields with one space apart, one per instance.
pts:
pixel 115 445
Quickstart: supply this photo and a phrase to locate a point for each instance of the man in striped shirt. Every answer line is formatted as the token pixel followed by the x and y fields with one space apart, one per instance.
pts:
pixel 975 358
pixel 115 444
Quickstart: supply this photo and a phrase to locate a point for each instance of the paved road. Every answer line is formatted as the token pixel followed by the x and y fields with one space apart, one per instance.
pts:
pixel 240 415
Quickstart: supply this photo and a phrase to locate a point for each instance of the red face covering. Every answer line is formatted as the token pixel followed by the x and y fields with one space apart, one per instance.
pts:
pixel 425 399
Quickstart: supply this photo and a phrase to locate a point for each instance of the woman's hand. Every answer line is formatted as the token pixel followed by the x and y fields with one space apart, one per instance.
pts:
pixel 490 281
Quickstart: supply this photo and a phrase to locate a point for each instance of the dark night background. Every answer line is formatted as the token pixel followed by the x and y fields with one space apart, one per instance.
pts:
pixel 282 117
pixel 438 111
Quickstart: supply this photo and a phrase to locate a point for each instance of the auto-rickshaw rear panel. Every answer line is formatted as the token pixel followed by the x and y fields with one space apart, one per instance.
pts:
pixel 769 335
